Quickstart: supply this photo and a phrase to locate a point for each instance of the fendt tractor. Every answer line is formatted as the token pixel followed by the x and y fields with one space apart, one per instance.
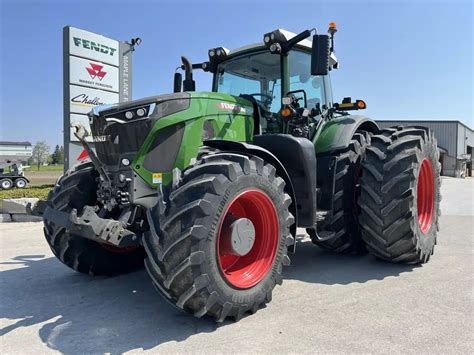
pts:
pixel 207 189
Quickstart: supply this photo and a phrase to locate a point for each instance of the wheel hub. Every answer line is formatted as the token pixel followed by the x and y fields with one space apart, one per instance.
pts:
pixel 238 236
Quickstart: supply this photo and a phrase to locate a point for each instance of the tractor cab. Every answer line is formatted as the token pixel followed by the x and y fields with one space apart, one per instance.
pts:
pixel 266 78
pixel 283 65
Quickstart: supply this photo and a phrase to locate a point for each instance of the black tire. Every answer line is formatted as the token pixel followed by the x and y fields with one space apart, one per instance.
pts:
pixel 343 221
pixel 6 184
pixel 76 189
pixel 398 195
pixel 21 183
pixel 182 249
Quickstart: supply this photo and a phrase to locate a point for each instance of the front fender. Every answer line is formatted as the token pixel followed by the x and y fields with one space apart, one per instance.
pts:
pixel 269 157
pixel 338 132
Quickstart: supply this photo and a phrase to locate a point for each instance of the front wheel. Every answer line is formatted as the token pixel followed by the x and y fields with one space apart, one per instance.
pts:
pixel 219 245
pixel 77 189
pixel 400 195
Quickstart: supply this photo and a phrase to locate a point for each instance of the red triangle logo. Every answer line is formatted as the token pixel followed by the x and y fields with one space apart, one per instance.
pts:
pixel 83 156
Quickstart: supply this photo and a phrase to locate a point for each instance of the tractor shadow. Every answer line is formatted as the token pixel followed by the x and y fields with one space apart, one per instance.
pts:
pixel 315 265
pixel 78 313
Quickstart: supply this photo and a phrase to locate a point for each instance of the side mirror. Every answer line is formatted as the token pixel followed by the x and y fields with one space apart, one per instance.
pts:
pixel 178 80
pixel 320 53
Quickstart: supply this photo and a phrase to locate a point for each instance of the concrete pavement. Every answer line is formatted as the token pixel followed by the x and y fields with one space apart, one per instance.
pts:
pixel 327 303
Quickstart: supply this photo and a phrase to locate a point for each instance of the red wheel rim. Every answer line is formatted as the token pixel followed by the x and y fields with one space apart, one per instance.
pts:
pixel 248 270
pixel 425 205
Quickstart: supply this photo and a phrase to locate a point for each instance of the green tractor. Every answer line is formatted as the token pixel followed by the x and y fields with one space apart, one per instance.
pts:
pixel 207 189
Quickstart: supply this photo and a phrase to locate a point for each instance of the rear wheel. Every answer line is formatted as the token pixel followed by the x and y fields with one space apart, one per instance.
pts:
pixel 76 190
pixel 343 222
pixel 400 195
pixel 21 183
pixel 6 184
pixel 219 245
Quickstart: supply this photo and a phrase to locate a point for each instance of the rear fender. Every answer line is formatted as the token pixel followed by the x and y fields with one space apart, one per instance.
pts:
pixel 337 133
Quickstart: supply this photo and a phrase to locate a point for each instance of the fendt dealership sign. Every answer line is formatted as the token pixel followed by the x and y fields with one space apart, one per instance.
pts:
pixel 97 71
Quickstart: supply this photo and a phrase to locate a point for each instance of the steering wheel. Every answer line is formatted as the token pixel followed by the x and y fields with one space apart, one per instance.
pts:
pixel 269 97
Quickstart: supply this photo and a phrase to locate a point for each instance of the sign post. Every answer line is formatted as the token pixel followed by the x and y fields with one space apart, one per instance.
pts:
pixel 97 71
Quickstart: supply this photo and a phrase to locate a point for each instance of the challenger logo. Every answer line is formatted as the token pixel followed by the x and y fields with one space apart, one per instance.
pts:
pixel 85 100
pixel 95 71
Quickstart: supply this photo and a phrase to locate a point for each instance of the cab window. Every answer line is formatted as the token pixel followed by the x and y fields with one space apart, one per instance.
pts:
pixel 301 79
pixel 256 74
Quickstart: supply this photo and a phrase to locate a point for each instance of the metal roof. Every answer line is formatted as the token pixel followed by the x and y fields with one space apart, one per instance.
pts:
pixel 14 143
pixel 430 121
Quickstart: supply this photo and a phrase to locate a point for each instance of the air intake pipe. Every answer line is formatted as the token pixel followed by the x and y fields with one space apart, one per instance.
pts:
pixel 188 83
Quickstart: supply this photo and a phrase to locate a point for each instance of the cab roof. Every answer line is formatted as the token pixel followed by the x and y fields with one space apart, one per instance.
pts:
pixel 304 44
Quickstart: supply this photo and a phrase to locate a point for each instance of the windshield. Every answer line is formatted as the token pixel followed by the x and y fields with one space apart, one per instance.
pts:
pixel 256 73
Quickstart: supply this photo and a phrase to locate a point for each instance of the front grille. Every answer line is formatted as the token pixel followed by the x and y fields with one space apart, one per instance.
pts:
pixel 164 149
pixel 114 140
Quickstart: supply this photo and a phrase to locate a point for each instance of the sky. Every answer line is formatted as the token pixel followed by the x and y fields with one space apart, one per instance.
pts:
pixel 406 59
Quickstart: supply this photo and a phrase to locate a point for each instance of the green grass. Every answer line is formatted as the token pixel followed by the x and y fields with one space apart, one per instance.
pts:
pixel 34 168
pixel 40 192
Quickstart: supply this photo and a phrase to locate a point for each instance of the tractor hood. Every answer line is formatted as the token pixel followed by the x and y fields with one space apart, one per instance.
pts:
pixel 118 131
pixel 153 107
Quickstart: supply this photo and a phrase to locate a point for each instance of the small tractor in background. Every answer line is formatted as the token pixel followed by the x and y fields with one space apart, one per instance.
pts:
pixel 14 178
pixel 207 189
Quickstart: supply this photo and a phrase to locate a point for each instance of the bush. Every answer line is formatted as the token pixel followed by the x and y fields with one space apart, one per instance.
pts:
pixel 40 192
pixel 33 169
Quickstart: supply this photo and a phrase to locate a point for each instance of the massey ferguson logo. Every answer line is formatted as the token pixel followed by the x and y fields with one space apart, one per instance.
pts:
pixel 95 71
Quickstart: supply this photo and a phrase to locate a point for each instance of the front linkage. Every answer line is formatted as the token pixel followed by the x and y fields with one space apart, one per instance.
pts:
pixel 91 223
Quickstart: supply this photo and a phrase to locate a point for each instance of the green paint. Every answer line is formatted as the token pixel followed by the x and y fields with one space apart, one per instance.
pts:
pixel 231 118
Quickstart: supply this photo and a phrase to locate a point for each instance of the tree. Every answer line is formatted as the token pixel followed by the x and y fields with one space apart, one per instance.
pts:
pixel 55 154
pixel 40 153
pixel 58 155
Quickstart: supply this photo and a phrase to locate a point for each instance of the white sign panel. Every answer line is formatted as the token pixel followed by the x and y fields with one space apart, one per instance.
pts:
pixel 97 71
pixel 93 74
pixel 84 121
pixel 83 100
pixel 75 151
pixel 90 45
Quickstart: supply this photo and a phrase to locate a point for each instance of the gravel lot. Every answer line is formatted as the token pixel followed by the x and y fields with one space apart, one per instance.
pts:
pixel 328 303
pixel 43 177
